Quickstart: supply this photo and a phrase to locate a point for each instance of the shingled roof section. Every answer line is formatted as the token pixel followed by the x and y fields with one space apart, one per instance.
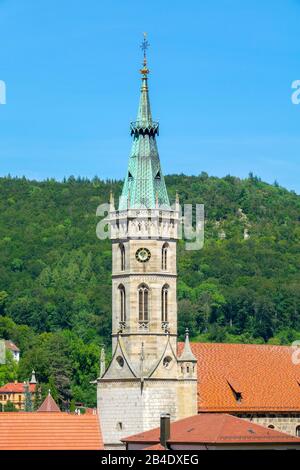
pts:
pixel 49 431
pixel 246 378
pixel 214 428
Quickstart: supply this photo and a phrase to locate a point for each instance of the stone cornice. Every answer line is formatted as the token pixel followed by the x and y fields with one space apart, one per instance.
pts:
pixel 146 275
pixel 114 335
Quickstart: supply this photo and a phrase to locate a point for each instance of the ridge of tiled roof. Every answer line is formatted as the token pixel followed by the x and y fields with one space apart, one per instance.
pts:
pixel 214 428
pixel 265 376
pixel 16 387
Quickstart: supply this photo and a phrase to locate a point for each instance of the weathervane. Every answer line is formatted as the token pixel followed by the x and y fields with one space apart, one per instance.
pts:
pixel 144 46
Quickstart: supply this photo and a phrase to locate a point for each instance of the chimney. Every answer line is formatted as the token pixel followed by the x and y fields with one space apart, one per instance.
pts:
pixel 164 429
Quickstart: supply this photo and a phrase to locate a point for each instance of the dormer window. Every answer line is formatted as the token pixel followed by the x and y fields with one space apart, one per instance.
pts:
pixel 130 175
pixel 237 395
pixel 157 176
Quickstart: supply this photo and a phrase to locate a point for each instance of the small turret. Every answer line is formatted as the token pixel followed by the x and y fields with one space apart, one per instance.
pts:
pixel 33 378
pixel 102 362
pixel 111 202
pixel 187 361
pixel 177 200
pixel 187 381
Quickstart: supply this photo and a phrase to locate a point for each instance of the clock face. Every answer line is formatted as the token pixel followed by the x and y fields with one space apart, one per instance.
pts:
pixel 143 255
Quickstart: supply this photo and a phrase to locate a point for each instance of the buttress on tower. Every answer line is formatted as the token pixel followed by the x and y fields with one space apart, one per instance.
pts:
pixel 145 377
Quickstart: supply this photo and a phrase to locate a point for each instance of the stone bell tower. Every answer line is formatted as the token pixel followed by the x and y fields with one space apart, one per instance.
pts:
pixel 145 377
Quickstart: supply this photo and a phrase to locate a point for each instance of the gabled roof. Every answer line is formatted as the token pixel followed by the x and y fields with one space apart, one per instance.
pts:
pixel 16 387
pixel 49 405
pixel 127 370
pixel 11 346
pixel 215 428
pixel 52 431
pixel 246 378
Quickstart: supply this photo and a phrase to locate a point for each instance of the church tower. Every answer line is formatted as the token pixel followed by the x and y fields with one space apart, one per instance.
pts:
pixel 145 377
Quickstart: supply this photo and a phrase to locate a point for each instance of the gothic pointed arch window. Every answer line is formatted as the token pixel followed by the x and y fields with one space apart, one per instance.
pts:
pixel 164 256
pixel 122 299
pixel 143 302
pixel 122 256
pixel 164 303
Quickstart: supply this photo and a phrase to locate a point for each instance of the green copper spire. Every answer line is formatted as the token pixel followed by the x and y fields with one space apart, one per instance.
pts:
pixel 144 185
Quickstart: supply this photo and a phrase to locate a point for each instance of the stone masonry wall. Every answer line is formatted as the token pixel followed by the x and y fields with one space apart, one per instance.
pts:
pixel 282 422
pixel 158 397
pixel 120 411
pixel 124 410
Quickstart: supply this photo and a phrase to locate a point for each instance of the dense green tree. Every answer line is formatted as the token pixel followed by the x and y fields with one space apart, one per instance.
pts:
pixel 8 371
pixel 55 284
pixel 28 405
pixel 9 406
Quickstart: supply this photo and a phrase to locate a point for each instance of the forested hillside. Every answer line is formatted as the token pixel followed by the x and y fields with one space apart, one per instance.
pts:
pixel 55 296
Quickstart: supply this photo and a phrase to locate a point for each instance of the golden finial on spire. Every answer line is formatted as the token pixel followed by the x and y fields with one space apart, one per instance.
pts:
pixel 144 46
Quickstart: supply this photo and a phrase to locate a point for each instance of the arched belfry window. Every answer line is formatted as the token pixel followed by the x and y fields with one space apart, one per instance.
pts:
pixel 122 256
pixel 298 431
pixel 164 303
pixel 164 256
pixel 122 295
pixel 143 294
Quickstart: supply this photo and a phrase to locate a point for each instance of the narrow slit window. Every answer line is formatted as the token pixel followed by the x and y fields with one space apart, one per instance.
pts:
pixel 164 256
pixel 143 294
pixel 164 303
pixel 122 303
pixel 122 256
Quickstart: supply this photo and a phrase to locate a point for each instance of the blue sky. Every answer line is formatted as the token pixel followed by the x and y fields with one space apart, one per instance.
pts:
pixel 220 85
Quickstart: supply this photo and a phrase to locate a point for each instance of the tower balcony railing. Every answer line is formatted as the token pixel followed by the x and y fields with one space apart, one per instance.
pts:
pixel 144 127
pixel 143 325
pixel 122 326
pixel 161 213
pixel 165 326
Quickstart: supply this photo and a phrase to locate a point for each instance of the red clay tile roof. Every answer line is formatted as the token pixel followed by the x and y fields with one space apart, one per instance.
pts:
pixel 215 428
pixel 246 378
pixel 16 388
pixel 53 431
pixel 11 346
pixel 49 405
